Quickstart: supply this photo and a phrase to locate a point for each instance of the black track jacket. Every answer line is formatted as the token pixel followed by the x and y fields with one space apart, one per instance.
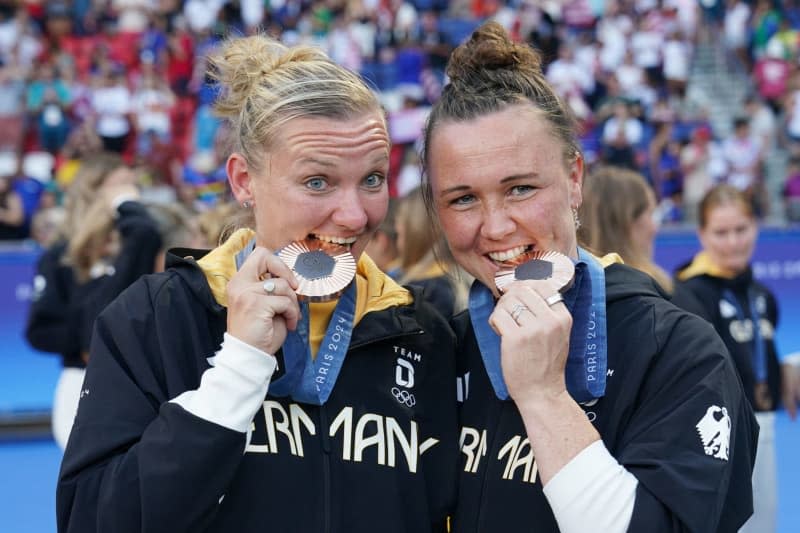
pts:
pixel 368 460
pixel 63 311
pixel 667 371
pixel 704 295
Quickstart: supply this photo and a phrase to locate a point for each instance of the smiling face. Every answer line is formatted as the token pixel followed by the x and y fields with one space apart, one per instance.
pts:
pixel 501 187
pixel 729 236
pixel 324 178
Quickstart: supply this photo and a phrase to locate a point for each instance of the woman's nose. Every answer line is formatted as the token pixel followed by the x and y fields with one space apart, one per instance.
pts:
pixel 350 212
pixel 496 223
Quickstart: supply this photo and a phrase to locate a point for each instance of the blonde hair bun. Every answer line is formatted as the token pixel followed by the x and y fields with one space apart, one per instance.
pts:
pixel 244 65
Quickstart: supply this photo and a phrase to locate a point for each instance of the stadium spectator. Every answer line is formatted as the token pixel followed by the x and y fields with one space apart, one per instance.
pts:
pixel 791 190
pixel 744 155
pixel 703 165
pixel 48 100
pixel 621 133
pixel 12 108
pixel 111 107
pixel 12 214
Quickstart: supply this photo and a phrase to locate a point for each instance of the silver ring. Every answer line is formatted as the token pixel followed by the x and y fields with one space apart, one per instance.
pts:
pixel 269 286
pixel 517 310
pixel 554 299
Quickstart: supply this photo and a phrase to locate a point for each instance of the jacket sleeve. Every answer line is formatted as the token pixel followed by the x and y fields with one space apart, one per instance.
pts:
pixel 691 441
pixel 52 321
pixel 140 245
pixel 136 462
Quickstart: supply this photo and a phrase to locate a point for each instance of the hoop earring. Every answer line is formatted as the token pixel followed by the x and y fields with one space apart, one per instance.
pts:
pixel 575 218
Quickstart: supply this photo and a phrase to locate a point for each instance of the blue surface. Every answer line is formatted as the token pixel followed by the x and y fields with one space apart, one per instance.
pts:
pixel 28 487
pixel 27 377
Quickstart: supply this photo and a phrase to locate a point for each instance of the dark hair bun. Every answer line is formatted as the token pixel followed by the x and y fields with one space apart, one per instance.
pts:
pixel 490 48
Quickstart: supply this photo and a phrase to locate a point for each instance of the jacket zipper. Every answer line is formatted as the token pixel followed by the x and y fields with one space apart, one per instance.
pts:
pixel 326 469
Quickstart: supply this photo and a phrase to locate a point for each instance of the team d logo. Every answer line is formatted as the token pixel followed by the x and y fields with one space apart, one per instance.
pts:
pixel 715 432
pixel 404 374
pixel 404 379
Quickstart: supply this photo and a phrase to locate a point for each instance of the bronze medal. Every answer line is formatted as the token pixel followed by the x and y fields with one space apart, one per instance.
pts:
pixel 323 270
pixel 553 266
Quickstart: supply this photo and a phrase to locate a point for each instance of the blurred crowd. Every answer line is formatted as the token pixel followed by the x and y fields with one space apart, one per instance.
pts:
pixel 129 76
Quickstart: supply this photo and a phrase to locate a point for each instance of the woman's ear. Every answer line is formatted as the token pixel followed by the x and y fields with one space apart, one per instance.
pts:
pixel 576 170
pixel 240 178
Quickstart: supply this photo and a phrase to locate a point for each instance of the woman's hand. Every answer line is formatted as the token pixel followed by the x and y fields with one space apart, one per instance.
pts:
pixel 534 341
pixel 790 385
pixel 255 316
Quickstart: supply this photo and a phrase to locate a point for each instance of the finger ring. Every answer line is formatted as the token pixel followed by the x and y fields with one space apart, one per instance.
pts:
pixel 554 299
pixel 517 310
pixel 269 286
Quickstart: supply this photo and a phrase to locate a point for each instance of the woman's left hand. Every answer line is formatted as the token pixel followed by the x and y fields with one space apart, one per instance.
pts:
pixel 534 341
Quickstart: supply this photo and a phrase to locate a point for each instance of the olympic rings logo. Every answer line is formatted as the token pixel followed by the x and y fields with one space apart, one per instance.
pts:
pixel 404 397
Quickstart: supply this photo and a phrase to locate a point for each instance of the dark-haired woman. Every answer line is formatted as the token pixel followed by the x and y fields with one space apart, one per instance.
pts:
pixel 602 408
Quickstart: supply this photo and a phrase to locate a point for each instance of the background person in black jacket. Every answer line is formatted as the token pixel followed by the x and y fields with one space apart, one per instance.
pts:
pixel 107 242
pixel 718 285
pixel 605 408
pixel 216 399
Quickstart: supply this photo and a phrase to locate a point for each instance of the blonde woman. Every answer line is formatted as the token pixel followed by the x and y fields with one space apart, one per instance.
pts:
pixel 107 242
pixel 618 216
pixel 220 401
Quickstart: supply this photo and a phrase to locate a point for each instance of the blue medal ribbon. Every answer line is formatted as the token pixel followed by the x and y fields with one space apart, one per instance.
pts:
pixel 758 355
pixel 307 379
pixel 319 374
pixel 585 372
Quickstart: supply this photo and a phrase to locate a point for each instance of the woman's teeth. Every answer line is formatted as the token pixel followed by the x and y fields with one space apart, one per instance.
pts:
pixel 507 254
pixel 337 240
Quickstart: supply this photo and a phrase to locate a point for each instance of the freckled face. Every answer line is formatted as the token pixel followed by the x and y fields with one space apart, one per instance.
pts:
pixel 729 236
pixel 502 187
pixel 326 178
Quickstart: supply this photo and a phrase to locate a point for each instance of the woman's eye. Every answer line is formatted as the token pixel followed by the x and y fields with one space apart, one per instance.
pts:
pixel 521 190
pixel 463 200
pixel 374 180
pixel 317 184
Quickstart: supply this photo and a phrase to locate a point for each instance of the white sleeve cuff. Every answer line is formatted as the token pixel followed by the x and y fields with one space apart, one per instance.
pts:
pixel 592 492
pixel 233 389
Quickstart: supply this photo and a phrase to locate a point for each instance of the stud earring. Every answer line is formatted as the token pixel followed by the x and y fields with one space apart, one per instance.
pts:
pixel 246 204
